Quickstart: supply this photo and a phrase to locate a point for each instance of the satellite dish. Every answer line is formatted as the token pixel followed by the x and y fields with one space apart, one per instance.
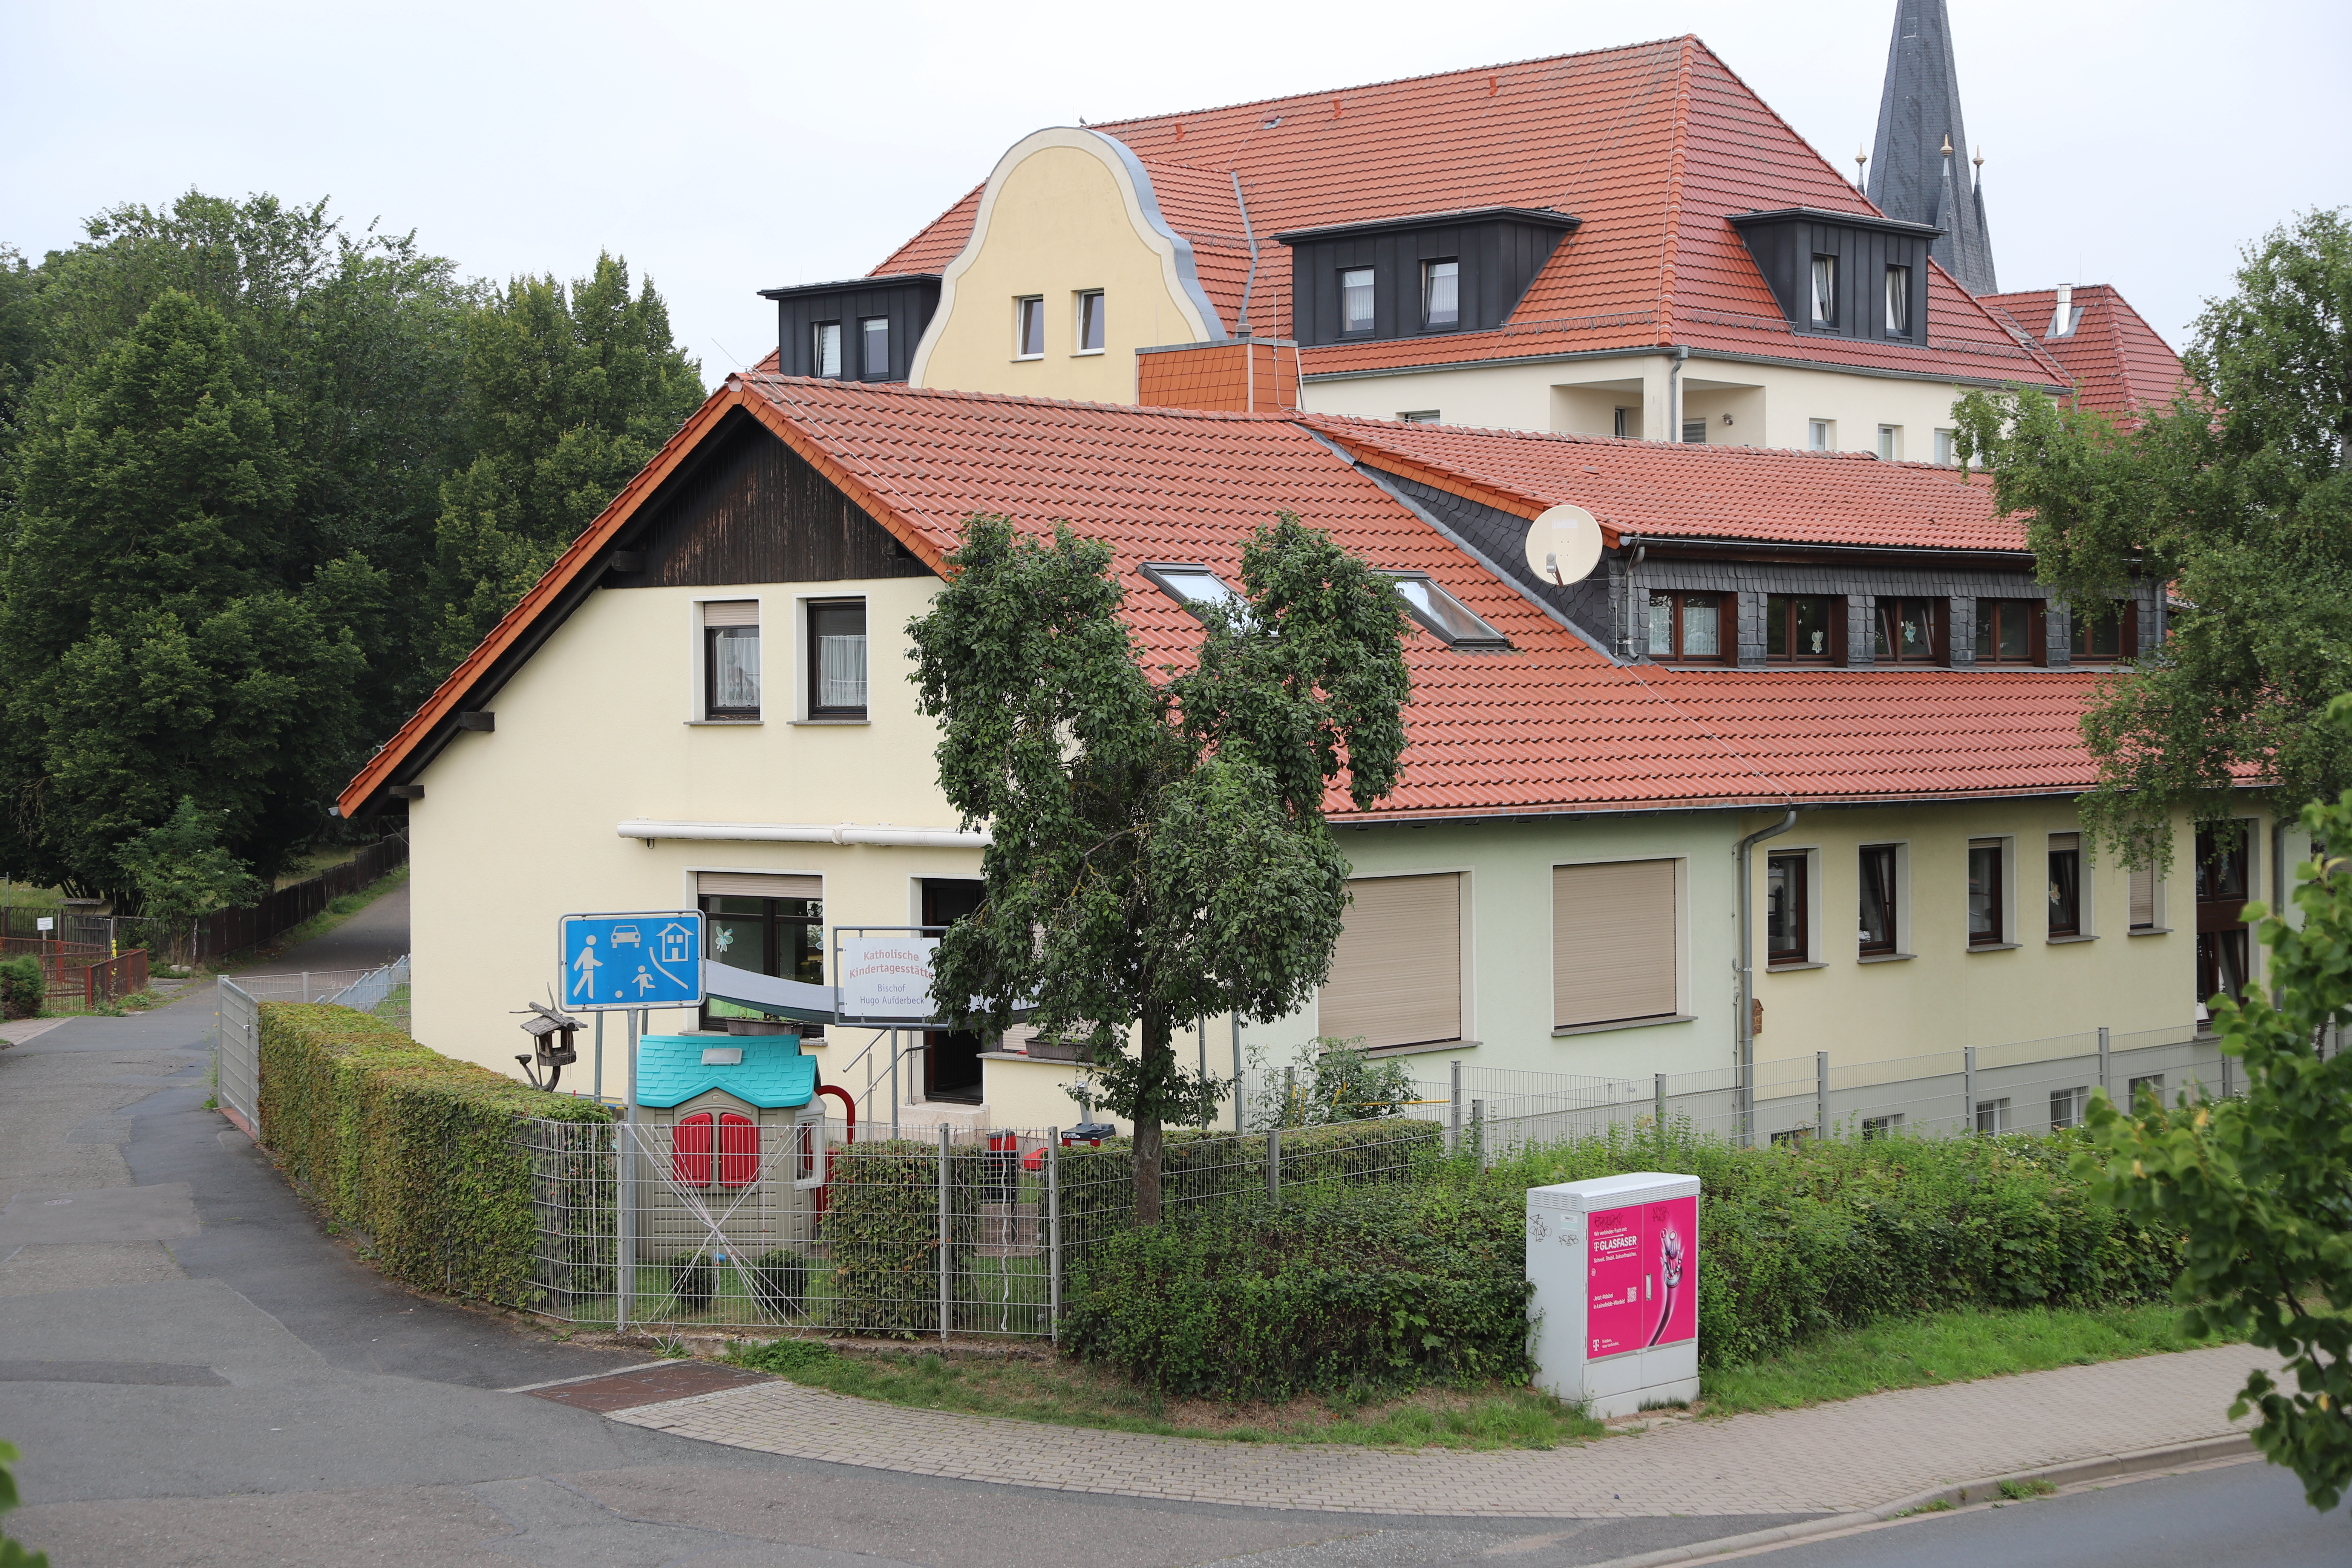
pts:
pixel 1564 545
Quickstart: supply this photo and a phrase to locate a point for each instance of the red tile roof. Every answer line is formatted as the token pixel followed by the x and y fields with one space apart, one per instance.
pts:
pixel 2115 359
pixel 1652 145
pixel 1670 489
pixel 1552 725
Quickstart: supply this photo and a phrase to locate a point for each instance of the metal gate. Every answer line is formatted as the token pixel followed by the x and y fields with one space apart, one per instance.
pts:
pixel 236 1056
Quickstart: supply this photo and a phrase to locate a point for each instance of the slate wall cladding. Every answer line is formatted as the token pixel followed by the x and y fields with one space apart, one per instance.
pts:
pixel 1610 606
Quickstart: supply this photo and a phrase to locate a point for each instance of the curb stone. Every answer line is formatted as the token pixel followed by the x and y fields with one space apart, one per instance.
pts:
pixel 2143 1462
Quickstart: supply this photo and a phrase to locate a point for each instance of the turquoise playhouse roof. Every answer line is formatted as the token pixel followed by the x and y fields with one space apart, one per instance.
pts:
pixel 772 1074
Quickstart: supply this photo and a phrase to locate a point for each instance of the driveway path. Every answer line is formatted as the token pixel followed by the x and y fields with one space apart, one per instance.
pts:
pixel 1831 1459
pixel 199 1374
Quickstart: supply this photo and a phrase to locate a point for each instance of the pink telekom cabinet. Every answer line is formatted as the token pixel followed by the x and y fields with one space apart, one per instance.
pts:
pixel 1614 1263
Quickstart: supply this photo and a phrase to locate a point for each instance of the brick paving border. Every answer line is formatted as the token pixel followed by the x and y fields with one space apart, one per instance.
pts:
pixel 1838 1458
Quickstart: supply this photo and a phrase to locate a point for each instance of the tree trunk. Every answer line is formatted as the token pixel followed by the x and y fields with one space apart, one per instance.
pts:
pixel 1158 1057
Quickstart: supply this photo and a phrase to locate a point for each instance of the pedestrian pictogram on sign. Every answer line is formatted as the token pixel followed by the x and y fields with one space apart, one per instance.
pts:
pixel 636 960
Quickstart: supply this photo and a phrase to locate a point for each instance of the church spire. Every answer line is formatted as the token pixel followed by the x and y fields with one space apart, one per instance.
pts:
pixel 1919 134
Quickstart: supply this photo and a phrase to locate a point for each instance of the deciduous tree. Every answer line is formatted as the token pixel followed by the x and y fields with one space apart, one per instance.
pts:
pixel 1157 851
pixel 2261 1187
pixel 158 637
pixel 2238 498
pixel 567 394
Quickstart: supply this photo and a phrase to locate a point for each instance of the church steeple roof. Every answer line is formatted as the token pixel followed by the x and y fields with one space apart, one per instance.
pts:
pixel 1921 138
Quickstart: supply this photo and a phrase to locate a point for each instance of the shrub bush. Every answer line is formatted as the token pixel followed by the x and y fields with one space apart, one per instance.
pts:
pixel 23 992
pixel 693 1282
pixel 413 1149
pixel 1388 1285
pixel 1797 1239
pixel 1351 1289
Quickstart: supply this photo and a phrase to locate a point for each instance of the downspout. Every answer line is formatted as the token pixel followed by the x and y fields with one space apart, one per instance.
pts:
pixel 1743 1092
pixel 1675 391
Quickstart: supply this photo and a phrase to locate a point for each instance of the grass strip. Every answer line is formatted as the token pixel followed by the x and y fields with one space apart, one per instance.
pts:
pixel 1069 1394
pixel 1954 1346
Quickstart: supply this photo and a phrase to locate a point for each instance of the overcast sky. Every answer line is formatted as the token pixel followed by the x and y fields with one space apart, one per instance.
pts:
pixel 726 147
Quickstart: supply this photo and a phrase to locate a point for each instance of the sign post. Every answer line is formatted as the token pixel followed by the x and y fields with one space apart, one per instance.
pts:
pixel 631 961
pixel 1614 1262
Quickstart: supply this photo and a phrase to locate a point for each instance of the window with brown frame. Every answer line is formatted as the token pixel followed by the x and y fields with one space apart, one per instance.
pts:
pixel 1804 628
pixel 2065 884
pixel 1911 631
pixel 1986 927
pixel 2223 952
pixel 1878 915
pixel 2011 631
pixel 1787 919
pixel 2104 633
pixel 1691 627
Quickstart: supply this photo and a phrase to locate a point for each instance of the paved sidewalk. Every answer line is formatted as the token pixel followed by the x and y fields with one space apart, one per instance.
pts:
pixel 1831 1458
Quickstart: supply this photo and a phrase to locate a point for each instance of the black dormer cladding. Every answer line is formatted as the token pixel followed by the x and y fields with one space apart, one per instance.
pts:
pixel 1784 244
pixel 907 300
pixel 1501 249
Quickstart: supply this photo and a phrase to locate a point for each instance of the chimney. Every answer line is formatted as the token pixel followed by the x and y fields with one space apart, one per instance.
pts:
pixel 1239 375
pixel 2062 318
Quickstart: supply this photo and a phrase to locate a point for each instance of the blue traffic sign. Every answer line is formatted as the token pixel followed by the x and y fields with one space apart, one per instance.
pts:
pixel 641 960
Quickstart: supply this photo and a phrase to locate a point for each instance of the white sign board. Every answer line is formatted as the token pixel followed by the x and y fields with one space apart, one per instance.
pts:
pixel 44 923
pixel 885 976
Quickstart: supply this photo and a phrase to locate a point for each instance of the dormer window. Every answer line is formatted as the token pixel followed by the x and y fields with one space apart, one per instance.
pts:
pixel 1824 290
pixel 826 350
pixel 1191 586
pixel 1356 300
pixel 1898 301
pixel 873 348
pixel 1686 626
pixel 1445 618
pixel 1441 293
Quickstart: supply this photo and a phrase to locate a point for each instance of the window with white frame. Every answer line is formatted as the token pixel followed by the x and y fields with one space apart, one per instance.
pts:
pixel 1356 300
pixel 836 658
pixel 730 659
pixel 873 348
pixel 1824 290
pixel 824 350
pixel 1890 442
pixel 1992 1116
pixel 1029 327
pixel 1821 435
pixel 2067 1105
pixel 1947 448
pixel 1441 293
pixel 1090 321
pixel 1898 301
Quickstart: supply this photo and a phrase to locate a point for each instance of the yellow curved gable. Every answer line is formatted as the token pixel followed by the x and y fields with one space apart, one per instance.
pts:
pixel 1060 217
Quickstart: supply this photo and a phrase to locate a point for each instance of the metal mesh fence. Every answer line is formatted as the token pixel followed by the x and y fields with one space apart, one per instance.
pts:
pixel 2025 1086
pixel 737 1223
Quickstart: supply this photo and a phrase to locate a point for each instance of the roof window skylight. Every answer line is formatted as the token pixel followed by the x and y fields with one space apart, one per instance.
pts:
pixel 1444 617
pixel 1190 584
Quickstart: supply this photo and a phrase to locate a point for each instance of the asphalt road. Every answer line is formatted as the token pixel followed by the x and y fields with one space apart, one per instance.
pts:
pixel 198 1375
pixel 2250 1514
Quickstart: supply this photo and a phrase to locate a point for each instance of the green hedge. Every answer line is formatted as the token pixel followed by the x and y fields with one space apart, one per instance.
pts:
pixel 1386 1285
pixel 1796 1240
pixel 413 1149
pixel 1354 1290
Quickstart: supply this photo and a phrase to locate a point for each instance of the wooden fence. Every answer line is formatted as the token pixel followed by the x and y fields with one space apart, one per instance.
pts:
pixel 234 931
pixel 216 936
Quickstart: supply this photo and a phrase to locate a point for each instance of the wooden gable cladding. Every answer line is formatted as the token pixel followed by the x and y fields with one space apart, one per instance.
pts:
pixel 754 511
